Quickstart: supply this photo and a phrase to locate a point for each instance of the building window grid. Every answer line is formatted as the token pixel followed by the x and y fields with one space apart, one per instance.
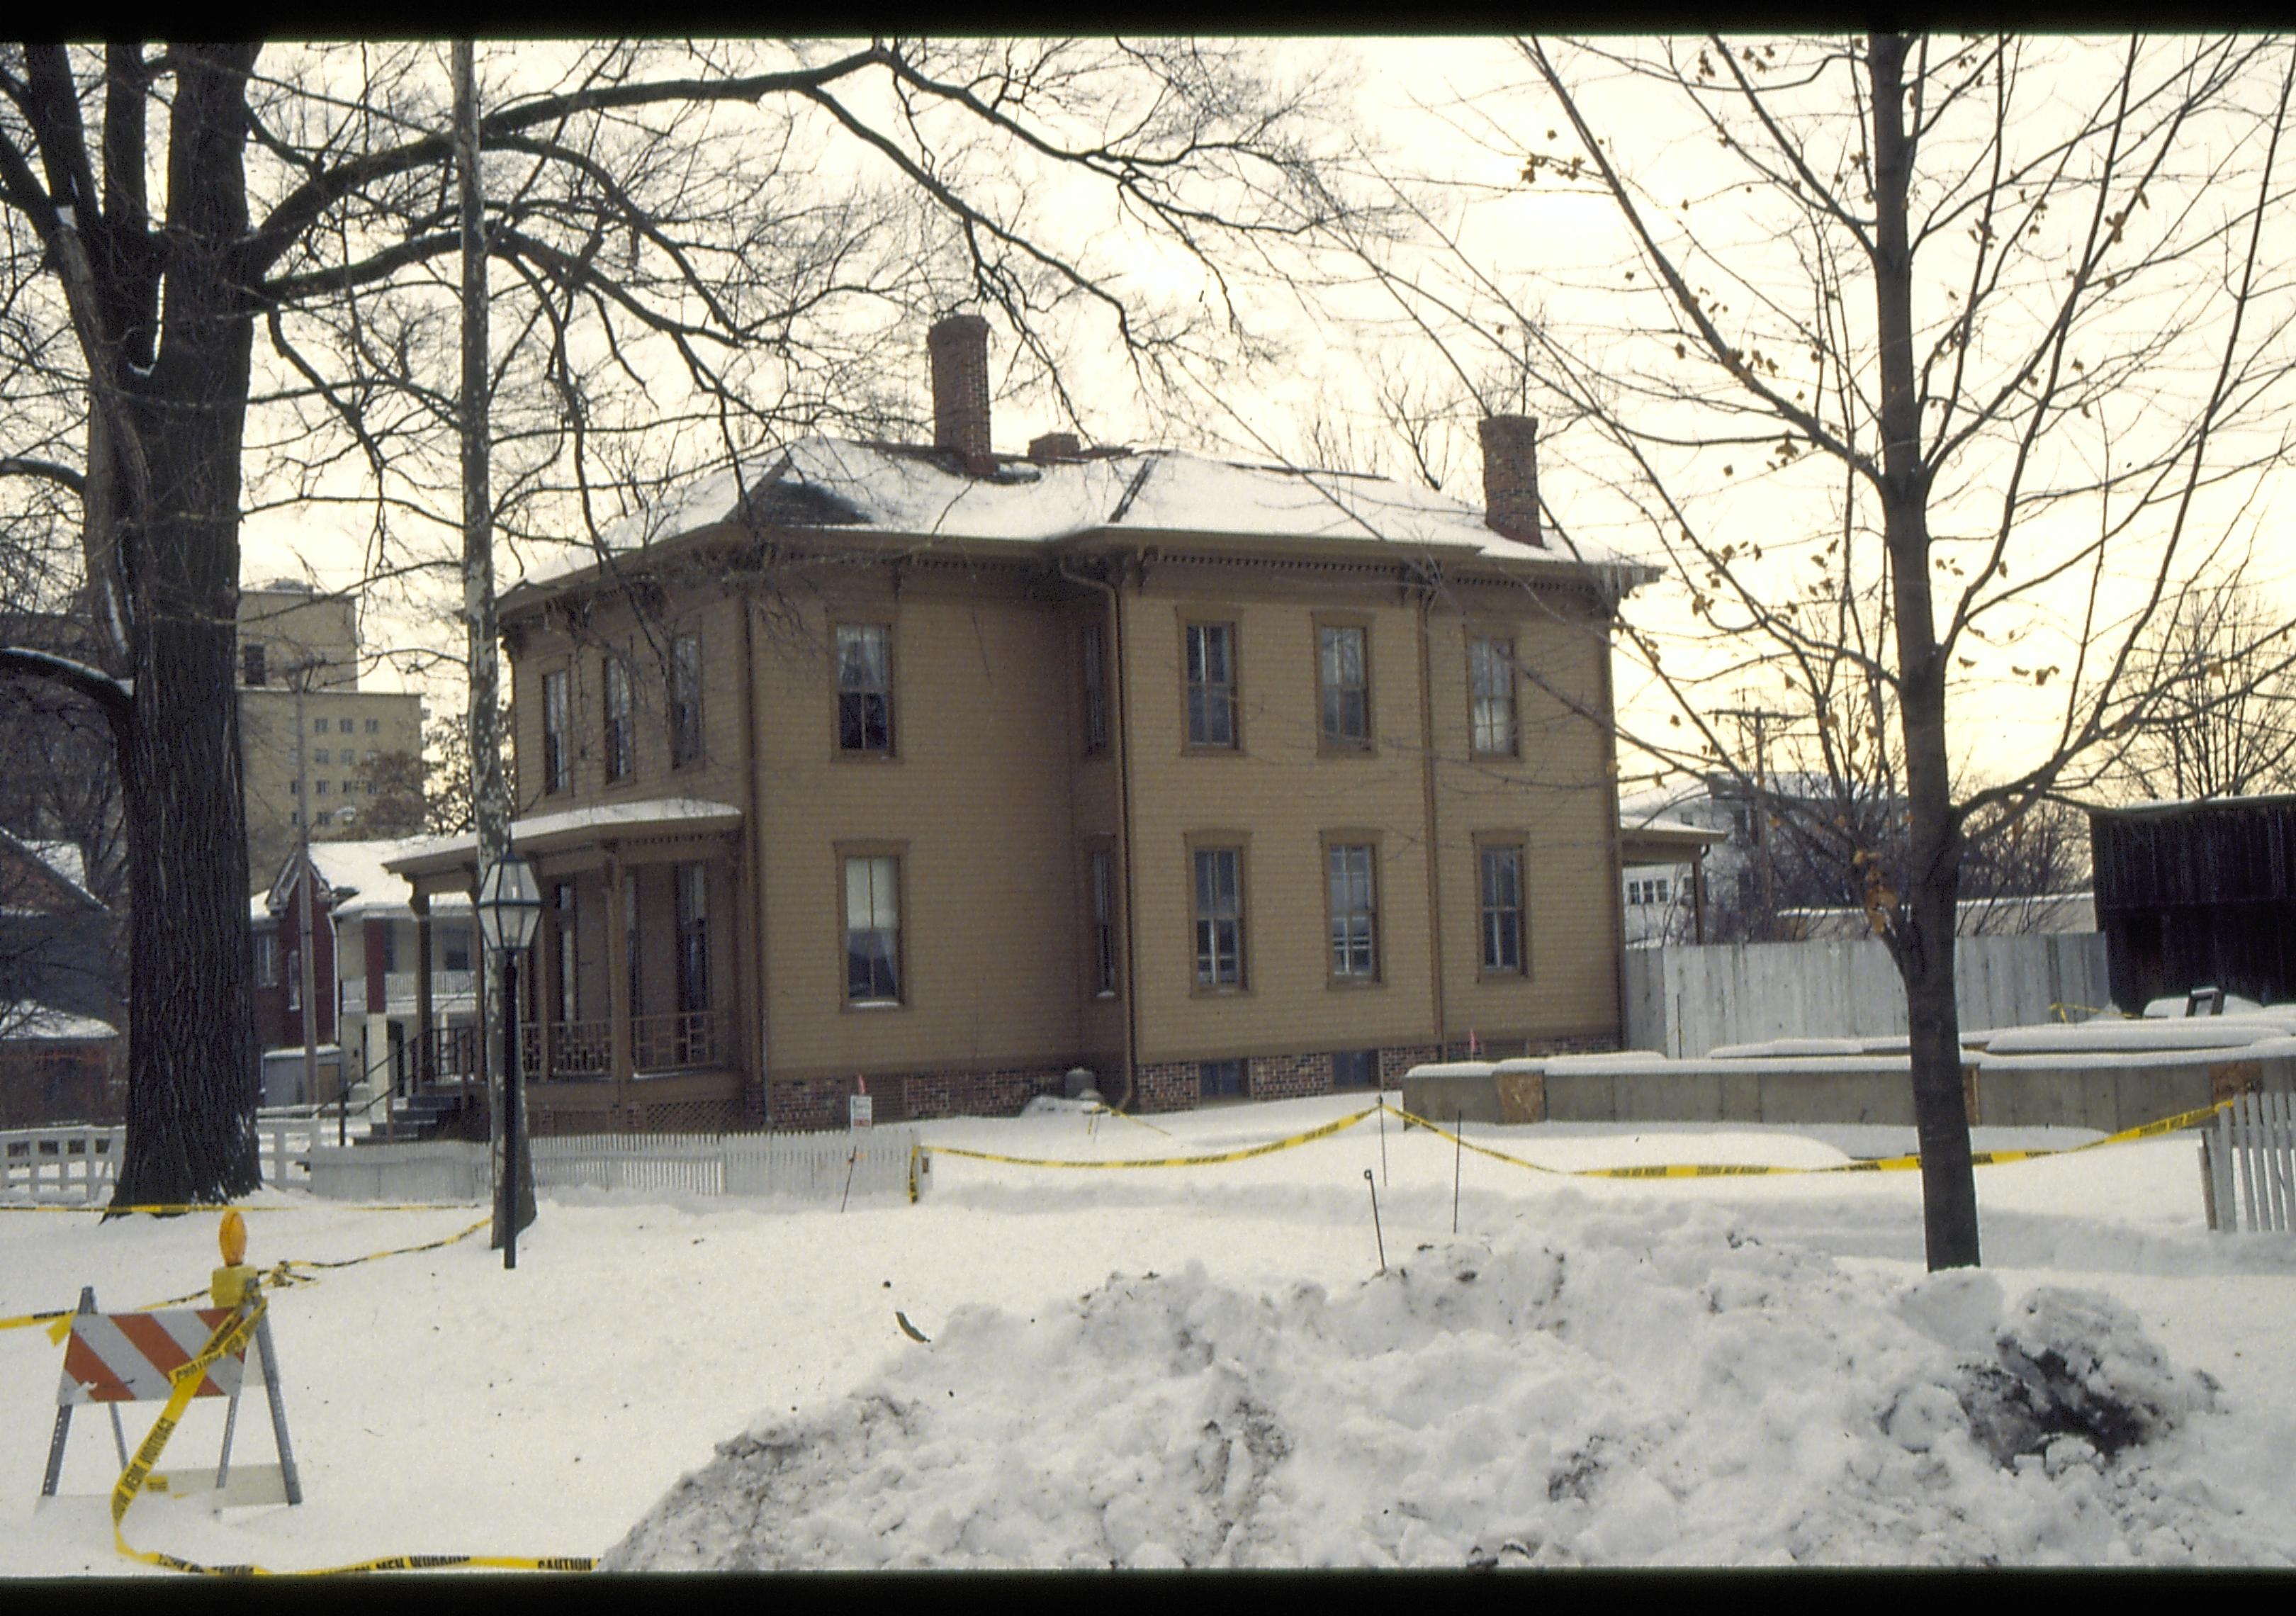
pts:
pixel 630 942
pixel 1502 911
pixel 555 715
pixel 684 701
pixel 865 690
pixel 567 963
pixel 1354 911
pixel 693 937
pixel 873 929
pixel 1103 924
pixel 1490 667
pixel 1344 680
pixel 1211 685
pixel 1219 917
pixel 1095 690
pixel 615 682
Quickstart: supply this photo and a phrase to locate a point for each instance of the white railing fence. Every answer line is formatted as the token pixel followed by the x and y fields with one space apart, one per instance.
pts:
pixel 77 1164
pixel 2248 1164
pixel 813 1167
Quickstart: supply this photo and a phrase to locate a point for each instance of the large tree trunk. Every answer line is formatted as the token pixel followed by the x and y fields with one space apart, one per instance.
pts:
pixel 1922 933
pixel 192 1080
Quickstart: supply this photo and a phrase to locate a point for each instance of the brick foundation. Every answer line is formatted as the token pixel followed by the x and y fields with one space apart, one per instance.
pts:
pixel 1288 1077
pixel 1157 1085
pixel 804 1104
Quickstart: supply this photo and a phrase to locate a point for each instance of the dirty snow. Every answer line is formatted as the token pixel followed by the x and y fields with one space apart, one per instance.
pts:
pixel 1206 1365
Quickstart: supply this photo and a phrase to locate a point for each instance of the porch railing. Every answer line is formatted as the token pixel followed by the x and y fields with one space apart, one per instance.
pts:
pixel 687 1040
pixel 681 1041
pixel 451 1052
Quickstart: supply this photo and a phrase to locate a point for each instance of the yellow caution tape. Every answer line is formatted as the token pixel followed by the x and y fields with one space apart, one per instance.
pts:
pixel 231 1337
pixel 1884 1164
pixel 178 1208
pixel 1110 1111
pixel 282 1273
pixel 1292 1143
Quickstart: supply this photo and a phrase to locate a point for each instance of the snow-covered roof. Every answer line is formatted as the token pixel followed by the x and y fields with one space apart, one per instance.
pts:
pixel 60 859
pixel 655 814
pixel 30 1022
pixel 355 873
pixel 834 482
pixel 64 857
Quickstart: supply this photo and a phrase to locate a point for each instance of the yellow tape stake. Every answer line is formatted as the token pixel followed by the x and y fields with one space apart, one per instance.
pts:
pixel 1292 1143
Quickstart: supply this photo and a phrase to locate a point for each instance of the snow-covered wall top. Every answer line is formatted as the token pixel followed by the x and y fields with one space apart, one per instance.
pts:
pixel 833 482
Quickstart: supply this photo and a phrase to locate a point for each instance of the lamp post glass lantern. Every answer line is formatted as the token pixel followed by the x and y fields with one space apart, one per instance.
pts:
pixel 509 908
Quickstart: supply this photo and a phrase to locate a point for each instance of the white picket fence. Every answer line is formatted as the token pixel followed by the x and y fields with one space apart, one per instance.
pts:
pixel 813 1167
pixel 77 1164
pixel 2248 1163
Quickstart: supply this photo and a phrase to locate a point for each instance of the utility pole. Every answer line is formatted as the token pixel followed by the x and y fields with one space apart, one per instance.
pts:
pixel 1758 719
pixel 490 791
pixel 305 879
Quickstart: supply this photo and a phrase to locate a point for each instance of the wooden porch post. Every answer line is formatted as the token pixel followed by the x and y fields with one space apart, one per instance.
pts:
pixel 618 980
pixel 543 994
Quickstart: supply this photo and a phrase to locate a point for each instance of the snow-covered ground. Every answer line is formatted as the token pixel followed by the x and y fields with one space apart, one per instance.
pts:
pixel 1205 1366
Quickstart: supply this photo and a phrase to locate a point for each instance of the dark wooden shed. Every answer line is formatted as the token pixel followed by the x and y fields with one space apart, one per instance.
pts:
pixel 2197 894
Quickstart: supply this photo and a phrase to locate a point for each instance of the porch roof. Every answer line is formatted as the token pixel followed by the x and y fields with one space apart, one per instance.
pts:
pixel 572 828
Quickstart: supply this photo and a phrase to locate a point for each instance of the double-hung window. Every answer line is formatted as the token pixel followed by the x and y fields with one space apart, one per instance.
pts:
pixel 569 972
pixel 693 937
pixel 1103 924
pixel 554 718
pixel 873 929
pixel 1095 690
pixel 1490 678
pixel 1219 917
pixel 865 690
pixel 1501 910
pixel 1212 684
pixel 616 683
pixel 1353 888
pixel 1344 680
pixel 684 701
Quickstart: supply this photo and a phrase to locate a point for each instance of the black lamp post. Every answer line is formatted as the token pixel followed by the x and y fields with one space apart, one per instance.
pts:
pixel 509 908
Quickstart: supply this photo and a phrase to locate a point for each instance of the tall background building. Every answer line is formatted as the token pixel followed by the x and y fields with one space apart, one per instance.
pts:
pixel 292 637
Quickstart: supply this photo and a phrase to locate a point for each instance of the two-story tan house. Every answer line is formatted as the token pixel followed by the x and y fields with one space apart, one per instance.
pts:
pixel 952 770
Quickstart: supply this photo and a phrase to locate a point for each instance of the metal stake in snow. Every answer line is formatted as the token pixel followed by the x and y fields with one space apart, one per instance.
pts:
pixel 1458 1158
pixel 850 1163
pixel 1377 1235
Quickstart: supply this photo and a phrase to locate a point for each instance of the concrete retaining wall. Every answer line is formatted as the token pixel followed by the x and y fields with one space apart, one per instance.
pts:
pixel 444 1169
pixel 2107 1093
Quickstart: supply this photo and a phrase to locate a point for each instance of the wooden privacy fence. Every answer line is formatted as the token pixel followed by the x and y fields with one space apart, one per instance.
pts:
pixel 78 1165
pixel 1685 1001
pixel 2248 1163
pixel 812 1167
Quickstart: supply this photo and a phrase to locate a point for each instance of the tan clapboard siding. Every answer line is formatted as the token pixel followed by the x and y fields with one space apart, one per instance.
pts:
pixel 1555 794
pixel 1284 792
pixel 994 803
pixel 979 797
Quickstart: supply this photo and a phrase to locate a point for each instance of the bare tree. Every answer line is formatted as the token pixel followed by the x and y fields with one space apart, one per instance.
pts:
pixel 700 247
pixel 1919 361
pixel 2222 718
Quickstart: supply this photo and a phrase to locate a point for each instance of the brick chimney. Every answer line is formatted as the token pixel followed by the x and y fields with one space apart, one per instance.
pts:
pixel 959 346
pixel 1511 478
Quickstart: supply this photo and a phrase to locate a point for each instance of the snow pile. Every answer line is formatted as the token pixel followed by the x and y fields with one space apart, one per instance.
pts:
pixel 1596 1391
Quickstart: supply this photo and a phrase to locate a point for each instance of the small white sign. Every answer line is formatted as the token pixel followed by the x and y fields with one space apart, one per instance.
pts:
pixel 857 1111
